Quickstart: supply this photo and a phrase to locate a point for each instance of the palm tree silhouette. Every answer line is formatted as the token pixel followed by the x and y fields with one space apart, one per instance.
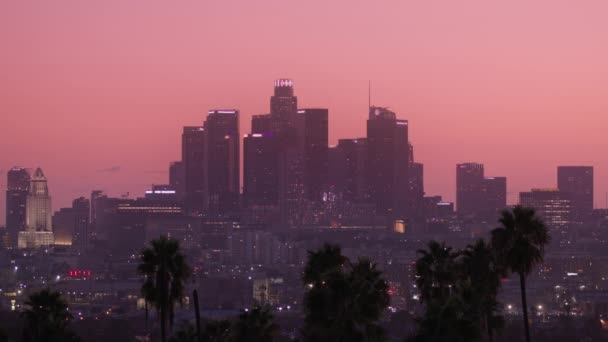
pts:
pixel 483 274
pixel 436 272
pixel 46 318
pixel 343 301
pixel 166 272
pixel 256 325
pixel 520 246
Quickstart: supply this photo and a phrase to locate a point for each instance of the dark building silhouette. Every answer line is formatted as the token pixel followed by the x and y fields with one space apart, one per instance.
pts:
pixel 222 163
pixel 388 162
pixel 71 225
pixel 552 205
pixel 316 145
pixel 260 173
pixel 494 198
pixel 348 175
pixel 18 185
pixel 177 178
pixel 283 104
pixel 469 188
pixel 578 182
pixel 193 157
pixel 479 196
pixel 416 186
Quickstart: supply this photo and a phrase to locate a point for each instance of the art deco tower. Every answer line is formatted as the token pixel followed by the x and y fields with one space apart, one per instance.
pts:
pixel 39 230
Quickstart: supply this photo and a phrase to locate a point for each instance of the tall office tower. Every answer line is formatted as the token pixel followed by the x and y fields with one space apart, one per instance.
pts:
pixel 71 225
pixel 494 198
pixel 177 178
pixel 222 162
pixel 469 188
pixel 348 170
pixel 39 231
pixel 416 188
pixel 94 204
pixel 193 157
pixel 260 172
pixel 578 182
pixel 552 205
pixel 479 196
pixel 283 104
pixel 388 162
pixel 18 185
pixel 316 145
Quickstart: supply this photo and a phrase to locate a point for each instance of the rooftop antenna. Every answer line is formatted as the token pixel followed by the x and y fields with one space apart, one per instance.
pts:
pixel 369 94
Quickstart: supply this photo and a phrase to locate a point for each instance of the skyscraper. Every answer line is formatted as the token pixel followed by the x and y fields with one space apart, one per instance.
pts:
pixel 39 230
pixel 177 178
pixel 416 186
pixel 193 157
pixel 315 151
pixel 479 196
pixel 283 104
pixel 494 198
pixel 260 173
pixel 349 170
pixel 18 185
pixel 552 205
pixel 222 163
pixel 71 225
pixel 388 162
pixel 578 182
pixel 469 188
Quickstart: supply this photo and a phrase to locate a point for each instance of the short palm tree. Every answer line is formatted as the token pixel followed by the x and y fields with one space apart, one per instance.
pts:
pixel 165 271
pixel 256 325
pixel 520 246
pixel 436 272
pixel 343 301
pixel 46 318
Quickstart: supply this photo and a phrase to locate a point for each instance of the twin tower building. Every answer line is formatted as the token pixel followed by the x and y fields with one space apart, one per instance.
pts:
pixel 289 171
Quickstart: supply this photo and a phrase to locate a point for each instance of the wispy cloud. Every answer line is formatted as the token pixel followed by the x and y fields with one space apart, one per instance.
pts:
pixel 155 171
pixel 110 169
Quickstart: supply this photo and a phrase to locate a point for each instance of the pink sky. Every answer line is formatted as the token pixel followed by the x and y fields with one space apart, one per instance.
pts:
pixel 521 86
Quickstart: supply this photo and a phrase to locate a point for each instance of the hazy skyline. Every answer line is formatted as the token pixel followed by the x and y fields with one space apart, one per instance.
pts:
pixel 97 95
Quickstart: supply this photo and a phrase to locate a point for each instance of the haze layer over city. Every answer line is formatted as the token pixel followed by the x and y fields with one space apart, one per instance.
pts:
pixel 260 143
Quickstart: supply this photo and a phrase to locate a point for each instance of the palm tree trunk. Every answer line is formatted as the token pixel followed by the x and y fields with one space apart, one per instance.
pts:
pixel 524 304
pixel 197 314
pixel 163 324
pixel 146 308
pixel 489 326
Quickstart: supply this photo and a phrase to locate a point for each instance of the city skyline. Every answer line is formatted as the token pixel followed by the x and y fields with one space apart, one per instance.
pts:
pixel 163 176
pixel 473 87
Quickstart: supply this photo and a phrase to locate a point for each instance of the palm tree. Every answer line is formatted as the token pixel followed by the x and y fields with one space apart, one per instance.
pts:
pixel 520 245
pixel 216 331
pixel 256 325
pixel 436 272
pixel 165 271
pixel 454 320
pixel 343 301
pixel 187 333
pixel 480 269
pixel 46 318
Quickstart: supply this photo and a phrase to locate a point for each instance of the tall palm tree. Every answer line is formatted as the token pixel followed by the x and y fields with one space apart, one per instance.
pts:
pixel 436 271
pixel 165 271
pixel 256 325
pixel 480 269
pixel 520 246
pixel 46 318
